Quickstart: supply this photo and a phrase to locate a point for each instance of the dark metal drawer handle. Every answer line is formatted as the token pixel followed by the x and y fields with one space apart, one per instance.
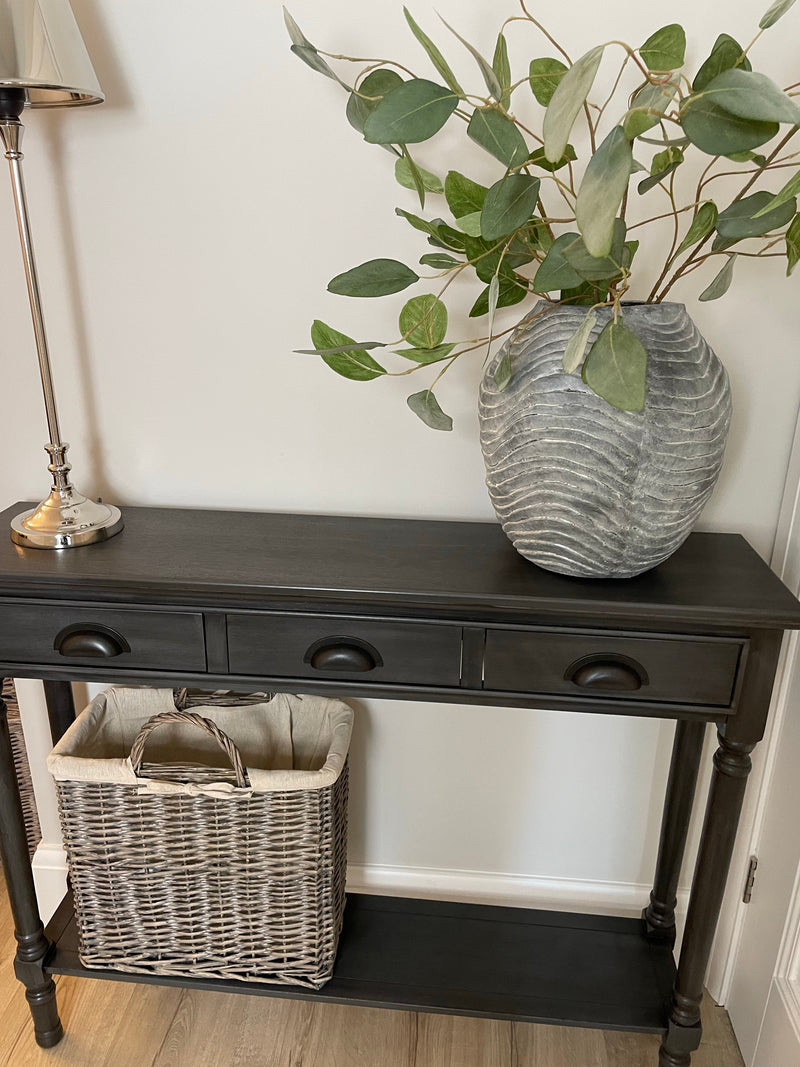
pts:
pixel 343 654
pixel 615 673
pixel 98 642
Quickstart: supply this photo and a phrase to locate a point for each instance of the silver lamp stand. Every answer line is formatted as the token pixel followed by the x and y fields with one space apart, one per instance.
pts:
pixel 43 63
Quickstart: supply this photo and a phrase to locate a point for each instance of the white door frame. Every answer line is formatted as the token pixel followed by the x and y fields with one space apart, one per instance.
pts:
pixel 757 1004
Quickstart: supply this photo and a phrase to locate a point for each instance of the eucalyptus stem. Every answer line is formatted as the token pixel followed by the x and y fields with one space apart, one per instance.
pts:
pixel 676 232
pixel 375 62
pixel 666 215
pixel 613 92
pixel 545 32
pixel 747 186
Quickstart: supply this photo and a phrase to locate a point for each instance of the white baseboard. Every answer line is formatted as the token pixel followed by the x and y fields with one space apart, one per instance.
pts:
pixel 50 878
pixel 431 883
pixel 510 890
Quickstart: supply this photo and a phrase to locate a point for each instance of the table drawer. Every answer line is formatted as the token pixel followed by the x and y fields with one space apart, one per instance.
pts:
pixel 677 670
pixel 102 637
pixel 344 648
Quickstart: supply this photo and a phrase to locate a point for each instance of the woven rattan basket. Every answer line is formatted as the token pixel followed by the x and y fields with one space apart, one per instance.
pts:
pixel 20 754
pixel 183 866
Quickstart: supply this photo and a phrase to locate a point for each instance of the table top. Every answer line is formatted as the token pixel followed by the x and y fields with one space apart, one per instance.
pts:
pixel 216 557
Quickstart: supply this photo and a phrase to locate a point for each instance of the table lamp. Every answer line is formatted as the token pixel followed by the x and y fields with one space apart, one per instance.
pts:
pixel 44 63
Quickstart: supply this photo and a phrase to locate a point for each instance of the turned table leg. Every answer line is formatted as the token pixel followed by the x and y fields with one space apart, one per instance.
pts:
pixel 60 708
pixel 32 946
pixel 687 749
pixel 731 768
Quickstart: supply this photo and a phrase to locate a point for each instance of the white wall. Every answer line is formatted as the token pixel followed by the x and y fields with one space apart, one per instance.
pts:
pixel 186 231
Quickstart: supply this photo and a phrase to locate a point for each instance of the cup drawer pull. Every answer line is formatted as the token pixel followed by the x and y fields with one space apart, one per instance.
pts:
pixel 605 672
pixel 99 642
pixel 343 654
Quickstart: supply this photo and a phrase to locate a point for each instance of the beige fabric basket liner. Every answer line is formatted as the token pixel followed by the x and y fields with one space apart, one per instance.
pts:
pixel 289 743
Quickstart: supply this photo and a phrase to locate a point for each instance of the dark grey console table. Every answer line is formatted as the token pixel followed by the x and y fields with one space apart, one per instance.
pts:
pixel 439 611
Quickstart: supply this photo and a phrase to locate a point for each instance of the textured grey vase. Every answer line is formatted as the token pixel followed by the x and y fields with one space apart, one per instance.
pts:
pixel 582 488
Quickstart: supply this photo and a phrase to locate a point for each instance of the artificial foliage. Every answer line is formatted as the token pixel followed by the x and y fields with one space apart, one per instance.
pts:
pixel 563 224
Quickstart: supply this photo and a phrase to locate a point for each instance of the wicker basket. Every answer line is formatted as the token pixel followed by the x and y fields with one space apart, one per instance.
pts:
pixel 20 754
pixel 183 867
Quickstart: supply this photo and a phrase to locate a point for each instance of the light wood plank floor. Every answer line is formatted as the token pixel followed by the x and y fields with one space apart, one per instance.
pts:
pixel 114 1024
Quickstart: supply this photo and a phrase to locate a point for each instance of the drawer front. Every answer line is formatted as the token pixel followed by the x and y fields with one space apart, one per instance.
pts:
pixel 102 637
pixel 367 650
pixel 677 670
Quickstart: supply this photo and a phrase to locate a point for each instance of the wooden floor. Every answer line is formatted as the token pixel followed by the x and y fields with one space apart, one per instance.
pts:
pixel 114 1024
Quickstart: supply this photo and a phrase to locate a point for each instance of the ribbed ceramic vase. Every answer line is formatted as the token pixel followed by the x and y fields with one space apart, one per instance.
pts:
pixel 582 488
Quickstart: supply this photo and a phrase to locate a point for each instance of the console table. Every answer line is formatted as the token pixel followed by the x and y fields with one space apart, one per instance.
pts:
pixel 438 611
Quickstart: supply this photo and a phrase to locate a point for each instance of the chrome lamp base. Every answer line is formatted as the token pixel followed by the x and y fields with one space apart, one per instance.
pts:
pixel 67 519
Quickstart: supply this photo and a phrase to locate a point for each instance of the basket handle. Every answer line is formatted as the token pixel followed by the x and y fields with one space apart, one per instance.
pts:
pixel 222 739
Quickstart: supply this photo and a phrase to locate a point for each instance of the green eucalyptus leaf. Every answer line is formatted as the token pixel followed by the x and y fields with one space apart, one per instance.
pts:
pixel 414 174
pixel 426 355
pixel 598 268
pixel 439 233
pixel 413 112
pixel 788 192
pixel 508 205
pixel 503 373
pixel 726 54
pixel 665 49
pixel 752 217
pixel 489 76
pixel 295 33
pixel 544 76
pixel 352 346
pixel 439 261
pixel 616 367
pixel 537 158
pixel 771 16
pixel 748 157
pixel 305 50
pixel 510 290
pixel 717 132
pixel 494 293
pixel 354 364
pixel 489 259
pixel 377 277
pixel 312 58
pixel 666 142
pixel 701 226
pixel 648 106
pixel 423 321
pixel 722 283
pixel 629 251
pixel 404 177
pixel 601 191
pixel 555 272
pixel 567 100
pixel 419 224
pixel 470 224
pixel 363 101
pixel 434 55
pixel 447 237
pixel 664 163
pixel 667 158
pixel 463 195
pixel 426 407
pixel 587 294
pixel 502 69
pixel 576 346
pixel 498 135
pixel 793 245
pixel 750 95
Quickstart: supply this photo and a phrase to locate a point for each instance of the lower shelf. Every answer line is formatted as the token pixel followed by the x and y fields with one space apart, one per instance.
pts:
pixel 464 959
